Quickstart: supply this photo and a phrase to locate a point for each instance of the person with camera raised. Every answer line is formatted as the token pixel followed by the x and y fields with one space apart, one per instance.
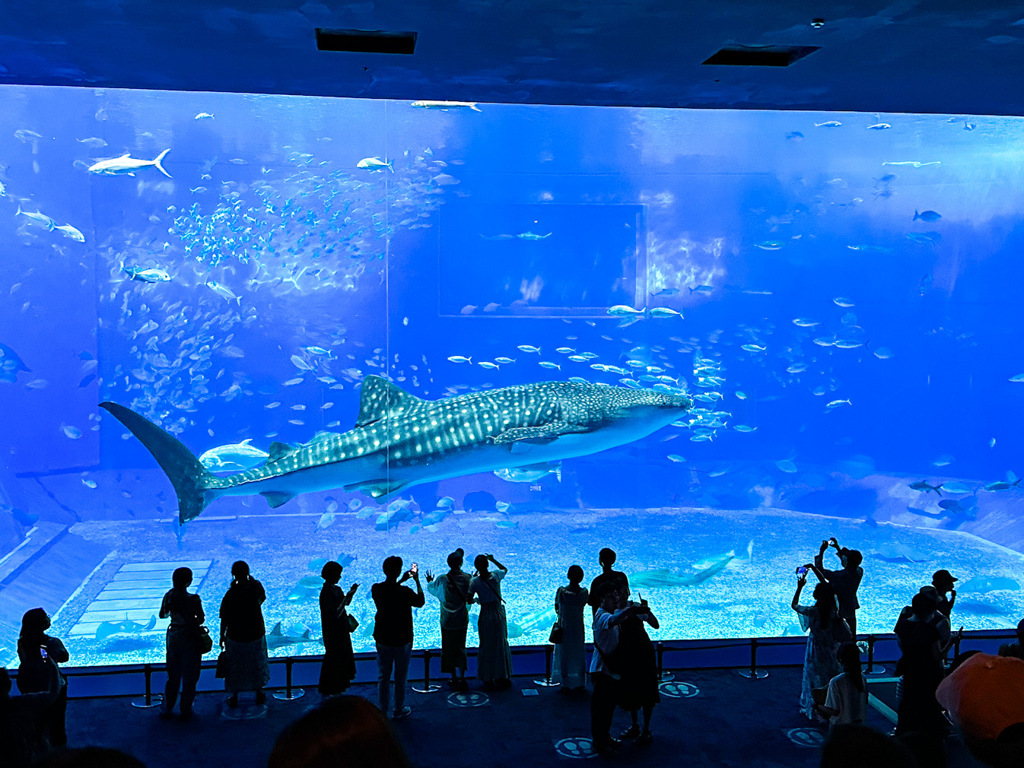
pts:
pixel 392 631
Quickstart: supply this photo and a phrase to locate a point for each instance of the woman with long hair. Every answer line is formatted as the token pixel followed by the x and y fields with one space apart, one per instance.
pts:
pixel 569 664
pixel 35 650
pixel 184 656
pixel 243 635
pixel 494 660
pixel 846 702
pixel 820 621
pixel 339 665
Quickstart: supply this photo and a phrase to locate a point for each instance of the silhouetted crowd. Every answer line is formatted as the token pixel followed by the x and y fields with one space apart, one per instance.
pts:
pixel 980 695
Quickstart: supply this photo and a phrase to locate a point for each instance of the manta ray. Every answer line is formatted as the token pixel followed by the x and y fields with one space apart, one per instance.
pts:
pixel 401 440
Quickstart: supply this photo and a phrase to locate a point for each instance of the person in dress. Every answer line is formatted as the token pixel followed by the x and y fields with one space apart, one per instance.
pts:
pixel 846 702
pixel 569 664
pixel 392 631
pixel 243 635
pixel 820 619
pixel 494 660
pixel 452 590
pixel 38 654
pixel 184 656
pixel 338 668
pixel 638 686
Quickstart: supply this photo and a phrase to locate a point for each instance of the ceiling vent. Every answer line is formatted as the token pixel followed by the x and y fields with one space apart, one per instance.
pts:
pixel 365 41
pixel 760 55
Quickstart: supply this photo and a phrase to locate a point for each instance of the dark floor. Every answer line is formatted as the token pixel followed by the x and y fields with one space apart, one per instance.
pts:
pixel 731 721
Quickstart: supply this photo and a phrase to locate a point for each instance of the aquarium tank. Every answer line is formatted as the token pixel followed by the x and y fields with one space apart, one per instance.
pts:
pixel 337 329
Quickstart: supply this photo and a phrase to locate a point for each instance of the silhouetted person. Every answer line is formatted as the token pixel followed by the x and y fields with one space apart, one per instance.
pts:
pixel 1015 650
pixel 846 701
pixel 494 659
pixel 22 739
pixel 38 652
pixel 452 590
pixel 606 557
pixel 392 631
pixel 343 732
pixel 338 668
pixel 243 635
pixel 844 582
pixel 944 583
pixel 638 687
pixel 184 656
pixel 819 621
pixel 921 668
pixel 569 663
pixel 605 666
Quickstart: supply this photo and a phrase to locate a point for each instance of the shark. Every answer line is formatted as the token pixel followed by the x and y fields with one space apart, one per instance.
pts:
pixel 400 440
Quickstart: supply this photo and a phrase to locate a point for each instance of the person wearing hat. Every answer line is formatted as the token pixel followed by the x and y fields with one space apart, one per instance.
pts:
pixel 844 582
pixel 452 590
pixel 943 582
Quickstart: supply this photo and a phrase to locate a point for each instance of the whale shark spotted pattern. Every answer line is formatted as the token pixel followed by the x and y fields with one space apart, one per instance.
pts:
pixel 400 440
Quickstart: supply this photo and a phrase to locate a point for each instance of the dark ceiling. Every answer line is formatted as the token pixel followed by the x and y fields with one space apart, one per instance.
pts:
pixel 934 56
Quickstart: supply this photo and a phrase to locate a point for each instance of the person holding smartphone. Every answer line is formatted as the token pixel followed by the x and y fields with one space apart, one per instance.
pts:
pixel 819 621
pixel 39 654
pixel 392 631
pixel 494 659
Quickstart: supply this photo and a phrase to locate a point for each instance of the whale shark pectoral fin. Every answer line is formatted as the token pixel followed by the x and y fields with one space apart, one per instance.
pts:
pixel 543 433
pixel 276 498
pixel 376 488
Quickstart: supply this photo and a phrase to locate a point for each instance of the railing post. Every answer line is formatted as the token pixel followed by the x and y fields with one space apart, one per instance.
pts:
pixel 290 693
pixel 753 673
pixel 150 699
pixel 872 668
pixel 663 676
pixel 428 687
pixel 546 681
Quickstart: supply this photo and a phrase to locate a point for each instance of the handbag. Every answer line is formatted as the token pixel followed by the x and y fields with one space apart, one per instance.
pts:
pixel 222 664
pixel 353 623
pixel 556 633
pixel 203 639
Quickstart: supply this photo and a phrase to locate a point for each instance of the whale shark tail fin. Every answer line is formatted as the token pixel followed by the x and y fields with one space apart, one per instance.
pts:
pixel 183 469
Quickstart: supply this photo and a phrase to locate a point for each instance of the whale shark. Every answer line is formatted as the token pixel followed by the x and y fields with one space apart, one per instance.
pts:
pixel 401 440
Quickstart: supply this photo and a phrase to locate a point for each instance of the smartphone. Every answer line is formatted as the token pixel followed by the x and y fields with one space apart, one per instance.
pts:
pixel 42 652
pixel 801 571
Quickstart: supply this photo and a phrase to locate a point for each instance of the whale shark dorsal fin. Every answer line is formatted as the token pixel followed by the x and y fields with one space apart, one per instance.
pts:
pixel 278 450
pixel 380 398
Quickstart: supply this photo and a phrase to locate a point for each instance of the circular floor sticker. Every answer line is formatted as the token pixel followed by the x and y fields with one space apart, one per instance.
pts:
pixel 468 699
pixel 578 747
pixel 806 737
pixel 679 690
pixel 244 712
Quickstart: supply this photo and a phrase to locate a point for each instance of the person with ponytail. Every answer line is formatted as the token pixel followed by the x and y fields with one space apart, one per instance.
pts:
pixel 846 702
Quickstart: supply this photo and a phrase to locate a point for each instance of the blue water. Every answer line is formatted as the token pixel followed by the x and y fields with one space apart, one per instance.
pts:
pixel 292 274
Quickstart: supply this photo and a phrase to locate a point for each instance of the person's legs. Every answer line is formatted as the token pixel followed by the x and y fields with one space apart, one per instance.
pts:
pixel 173 677
pixel 402 657
pixel 602 709
pixel 56 714
pixel 385 661
pixel 189 678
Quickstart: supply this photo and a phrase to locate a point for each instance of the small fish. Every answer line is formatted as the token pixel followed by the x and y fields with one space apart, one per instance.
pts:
pixel 804 322
pixel 528 348
pixel 72 432
pixel 204 116
pixel 663 312
pixel 828 124
pixel 444 106
pixel 702 289
pixel 546 364
pixel 794 136
pixel 840 301
pixel 579 358
pixel 621 310
pixel 301 364
pixel 89 483
pixel 460 359
pixel 786 466
pixel 921 485
pixel 504 360
pixel 675 457
pixel 992 443
pixel 744 428
pixel 223 291
pixel 1019 378
pixel 668 292
pixel 152 275
pixel 92 142
pixel 126 165
pixel 911 163
pixel 71 233
pixel 533 236
pixel 375 164
pixel 837 404
pixel 943 461
pixel 37 218
pixel 565 350
pixel 741 395
pixel 491 366
pixel 879 127
pixel 753 348
pixel 928 216
pixel 969 126
pixel 770 245
pixel 314 350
